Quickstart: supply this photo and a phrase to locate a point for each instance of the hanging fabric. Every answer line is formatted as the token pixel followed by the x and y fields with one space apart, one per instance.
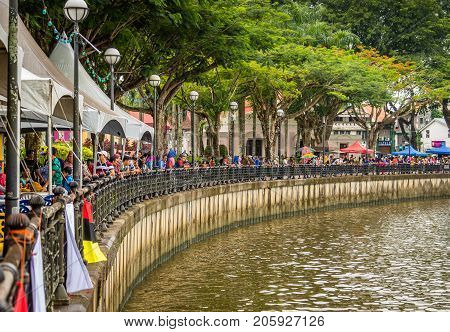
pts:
pixel 78 278
pixel 92 252
pixel 21 299
pixel 37 277
pixel 21 237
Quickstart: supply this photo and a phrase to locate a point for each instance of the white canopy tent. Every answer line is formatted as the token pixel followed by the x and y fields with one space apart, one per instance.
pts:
pixel 44 91
pixel 100 116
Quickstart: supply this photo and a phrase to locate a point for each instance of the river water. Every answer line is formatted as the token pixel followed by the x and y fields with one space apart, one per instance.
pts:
pixel 375 258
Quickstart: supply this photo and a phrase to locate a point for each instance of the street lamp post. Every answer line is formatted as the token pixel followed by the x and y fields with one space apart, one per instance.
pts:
pixel 280 114
pixel 233 106
pixel 76 11
pixel 112 57
pixel 155 81
pixel 193 96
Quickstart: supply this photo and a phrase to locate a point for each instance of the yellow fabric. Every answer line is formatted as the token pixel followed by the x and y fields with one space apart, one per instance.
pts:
pixel 92 252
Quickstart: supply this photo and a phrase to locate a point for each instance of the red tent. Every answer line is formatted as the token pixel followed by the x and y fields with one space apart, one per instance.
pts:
pixel 356 148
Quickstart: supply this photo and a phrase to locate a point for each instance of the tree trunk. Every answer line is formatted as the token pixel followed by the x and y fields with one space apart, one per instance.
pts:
pixel 179 130
pixel 286 138
pixel 267 139
pixel 254 134
pixel 199 145
pixel 215 138
pixel 241 115
pixel 402 123
pixel 299 135
pixel 268 128
pixel 229 133
pixel 372 139
pixel 446 111
pixel 413 142
pixel 306 134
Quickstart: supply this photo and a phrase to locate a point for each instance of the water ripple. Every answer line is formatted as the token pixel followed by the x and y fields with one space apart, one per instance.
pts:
pixel 392 257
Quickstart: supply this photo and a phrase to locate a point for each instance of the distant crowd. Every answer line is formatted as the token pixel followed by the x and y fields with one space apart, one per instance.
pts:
pixel 35 177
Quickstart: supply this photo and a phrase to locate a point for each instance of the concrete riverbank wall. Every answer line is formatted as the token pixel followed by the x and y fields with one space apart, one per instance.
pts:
pixel 151 232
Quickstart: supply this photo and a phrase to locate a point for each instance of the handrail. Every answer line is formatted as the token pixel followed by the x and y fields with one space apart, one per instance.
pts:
pixel 112 196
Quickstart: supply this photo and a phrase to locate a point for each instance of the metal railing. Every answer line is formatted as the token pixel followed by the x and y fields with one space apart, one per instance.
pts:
pixel 112 196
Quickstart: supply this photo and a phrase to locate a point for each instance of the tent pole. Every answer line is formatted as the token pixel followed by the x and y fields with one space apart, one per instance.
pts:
pixel 13 116
pixel 95 153
pixel 112 146
pixel 49 154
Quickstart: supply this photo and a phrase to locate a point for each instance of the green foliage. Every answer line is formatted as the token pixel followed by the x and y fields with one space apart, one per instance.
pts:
pixel 436 113
pixel 208 151
pixel 223 150
pixel 392 26
pixel 311 58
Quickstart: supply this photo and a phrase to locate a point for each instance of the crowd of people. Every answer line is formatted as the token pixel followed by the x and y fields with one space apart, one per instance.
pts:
pixel 35 177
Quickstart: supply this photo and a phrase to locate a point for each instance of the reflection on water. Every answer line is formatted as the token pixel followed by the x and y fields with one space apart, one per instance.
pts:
pixel 390 257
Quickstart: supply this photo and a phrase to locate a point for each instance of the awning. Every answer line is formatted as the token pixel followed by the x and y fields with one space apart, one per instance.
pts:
pixel 43 89
pixel 442 151
pixel 98 116
pixel 409 151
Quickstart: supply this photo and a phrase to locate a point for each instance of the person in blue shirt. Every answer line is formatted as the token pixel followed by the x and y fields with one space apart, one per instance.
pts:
pixel 67 177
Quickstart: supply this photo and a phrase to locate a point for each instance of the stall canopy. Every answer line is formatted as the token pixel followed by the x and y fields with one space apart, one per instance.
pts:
pixel 356 148
pixel 99 116
pixel 442 151
pixel 44 91
pixel 409 151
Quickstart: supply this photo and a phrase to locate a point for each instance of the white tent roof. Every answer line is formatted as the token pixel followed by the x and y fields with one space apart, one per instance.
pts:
pixel 47 91
pixel 102 115
pixel 44 91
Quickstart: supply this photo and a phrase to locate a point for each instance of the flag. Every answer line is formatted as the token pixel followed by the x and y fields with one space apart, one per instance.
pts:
pixel 92 252
pixel 21 299
pixel 37 277
pixel 78 278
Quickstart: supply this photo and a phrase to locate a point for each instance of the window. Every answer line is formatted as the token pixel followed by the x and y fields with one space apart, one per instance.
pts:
pixel 421 121
pixel 427 134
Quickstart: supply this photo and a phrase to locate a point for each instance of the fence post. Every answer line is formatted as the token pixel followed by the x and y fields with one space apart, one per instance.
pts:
pixel 61 297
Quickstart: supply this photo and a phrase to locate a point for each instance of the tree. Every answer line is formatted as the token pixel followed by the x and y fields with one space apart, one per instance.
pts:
pixel 218 39
pixel 217 89
pixel 269 88
pixel 394 27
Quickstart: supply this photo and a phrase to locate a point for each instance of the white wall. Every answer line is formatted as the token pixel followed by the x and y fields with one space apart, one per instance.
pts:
pixel 438 131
